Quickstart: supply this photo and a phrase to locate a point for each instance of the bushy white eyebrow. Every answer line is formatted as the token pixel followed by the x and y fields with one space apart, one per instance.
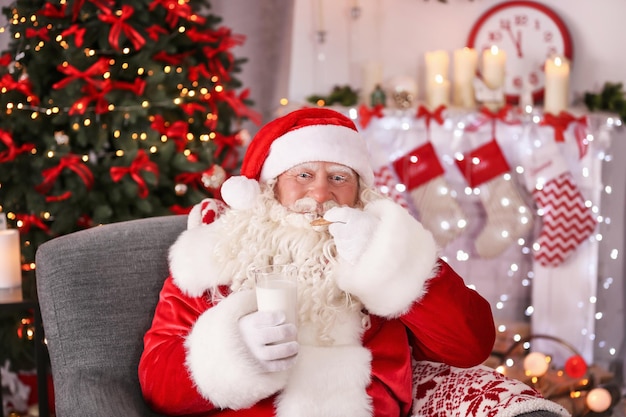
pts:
pixel 314 166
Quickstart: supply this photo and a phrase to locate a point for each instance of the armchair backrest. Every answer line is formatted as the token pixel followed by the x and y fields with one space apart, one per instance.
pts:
pixel 97 290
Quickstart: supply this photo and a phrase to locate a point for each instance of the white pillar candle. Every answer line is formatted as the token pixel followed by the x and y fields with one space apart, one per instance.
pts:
pixel 493 67
pixel 556 90
pixel 437 63
pixel 10 264
pixel 372 76
pixel 465 65
pixel 438 92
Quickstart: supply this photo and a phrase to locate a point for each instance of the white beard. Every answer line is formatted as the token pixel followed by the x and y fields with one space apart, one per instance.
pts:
pixel 272 234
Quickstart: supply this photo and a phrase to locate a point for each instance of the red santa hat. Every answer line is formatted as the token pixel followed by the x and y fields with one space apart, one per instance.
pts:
pixel 305 135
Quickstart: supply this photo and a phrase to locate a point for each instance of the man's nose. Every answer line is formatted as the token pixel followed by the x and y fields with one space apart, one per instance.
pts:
pixel 320 190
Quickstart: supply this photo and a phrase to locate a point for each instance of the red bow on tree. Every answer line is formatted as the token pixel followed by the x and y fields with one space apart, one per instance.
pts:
pixel 41 33
pixel 52 12
pixel 24 86
pixel 176 131
pixel 176 9
pixel 26 221
pixel 236 103
pixel 154 31
pixel 118 24
pixel 90 75
pixel 191 108
pixel 92 95
pixel 73 163
pixel 175 59
pixel 78 33
pixel 12 151
pixel 561 122
pixel 365 114
pixel 141 163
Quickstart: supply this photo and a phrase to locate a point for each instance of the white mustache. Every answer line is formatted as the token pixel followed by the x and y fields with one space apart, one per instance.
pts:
pixel 309 205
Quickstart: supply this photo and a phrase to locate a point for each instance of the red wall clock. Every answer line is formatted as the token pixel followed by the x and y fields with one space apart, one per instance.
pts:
pixel 529 33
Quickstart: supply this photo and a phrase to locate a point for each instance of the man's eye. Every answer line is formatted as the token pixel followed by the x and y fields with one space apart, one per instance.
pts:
pixel 338 178
pixel 303 175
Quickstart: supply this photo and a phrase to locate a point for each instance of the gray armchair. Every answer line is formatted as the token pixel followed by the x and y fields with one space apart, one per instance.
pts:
pixel 98 289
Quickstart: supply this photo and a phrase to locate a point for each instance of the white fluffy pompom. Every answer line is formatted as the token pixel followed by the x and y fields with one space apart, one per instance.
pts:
pixel 240 192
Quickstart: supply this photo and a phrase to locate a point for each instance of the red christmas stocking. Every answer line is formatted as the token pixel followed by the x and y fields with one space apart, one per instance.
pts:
pixel 508 217
pixel 385 179
pixel 422 173
pixel 567 221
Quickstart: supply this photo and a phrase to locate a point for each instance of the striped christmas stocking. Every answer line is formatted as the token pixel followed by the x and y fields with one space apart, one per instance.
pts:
pixel 438 210
pixel 567 220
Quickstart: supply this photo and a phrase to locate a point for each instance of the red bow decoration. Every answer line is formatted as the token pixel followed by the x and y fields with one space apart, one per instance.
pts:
pixel 23 86
pixel 93 95
pixel 198 36
pixel 487 115
pixel 175 59
pixel 137 87
pixel 26 221
pixel 154 31
pixel 119 25
pixel 176 131
pixel 175 10
pixel 78 33
pixel 436 115
pixel 365 114
pixel 560 124
pixel 41 33
pixel 97 69
pixel 215 64
pixel 196 71
pixel 12 151
pixel 6 59
pixel 52 12
pixel 73 163
pixel 141 163
pixel 237 104
pixel 191 108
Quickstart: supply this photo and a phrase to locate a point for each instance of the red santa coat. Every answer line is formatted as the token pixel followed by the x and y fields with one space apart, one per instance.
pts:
pixel 194 362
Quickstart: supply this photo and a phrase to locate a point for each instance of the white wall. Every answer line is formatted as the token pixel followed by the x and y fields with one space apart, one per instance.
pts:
pixel 399 32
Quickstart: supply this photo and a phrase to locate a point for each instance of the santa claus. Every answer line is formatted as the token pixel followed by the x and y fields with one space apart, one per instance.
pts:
pixel 373 297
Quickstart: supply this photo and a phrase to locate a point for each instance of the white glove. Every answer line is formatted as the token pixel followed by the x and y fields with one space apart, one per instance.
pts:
pixel 270 339
pixel 352 230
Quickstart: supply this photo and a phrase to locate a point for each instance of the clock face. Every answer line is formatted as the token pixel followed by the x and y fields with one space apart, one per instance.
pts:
pixel 529 33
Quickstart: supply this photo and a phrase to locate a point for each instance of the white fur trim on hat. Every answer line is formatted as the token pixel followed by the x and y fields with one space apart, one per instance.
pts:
pixel 240 192
pixel 327 143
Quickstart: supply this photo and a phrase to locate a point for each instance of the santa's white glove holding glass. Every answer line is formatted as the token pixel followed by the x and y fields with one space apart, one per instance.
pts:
pixel 270 339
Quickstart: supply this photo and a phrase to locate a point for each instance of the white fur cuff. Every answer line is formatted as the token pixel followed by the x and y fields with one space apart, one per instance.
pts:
pixel 223 370
pixel 390 275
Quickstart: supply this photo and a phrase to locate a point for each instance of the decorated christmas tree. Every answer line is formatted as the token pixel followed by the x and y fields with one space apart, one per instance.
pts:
pixel 110 111
pixel 114 110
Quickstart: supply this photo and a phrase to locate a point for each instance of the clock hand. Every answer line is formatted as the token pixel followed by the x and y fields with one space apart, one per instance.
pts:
pixel 517 40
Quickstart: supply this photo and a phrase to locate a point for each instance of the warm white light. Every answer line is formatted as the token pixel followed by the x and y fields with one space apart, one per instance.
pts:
pixel 536 364
pixel 598 400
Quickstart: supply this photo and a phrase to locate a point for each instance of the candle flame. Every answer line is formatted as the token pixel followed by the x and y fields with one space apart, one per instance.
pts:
pixel 494 50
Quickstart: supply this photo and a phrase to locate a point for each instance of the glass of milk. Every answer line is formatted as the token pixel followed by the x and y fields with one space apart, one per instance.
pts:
pixel 276 289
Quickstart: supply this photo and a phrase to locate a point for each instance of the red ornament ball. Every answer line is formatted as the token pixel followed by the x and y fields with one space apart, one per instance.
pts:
pixel 575 367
